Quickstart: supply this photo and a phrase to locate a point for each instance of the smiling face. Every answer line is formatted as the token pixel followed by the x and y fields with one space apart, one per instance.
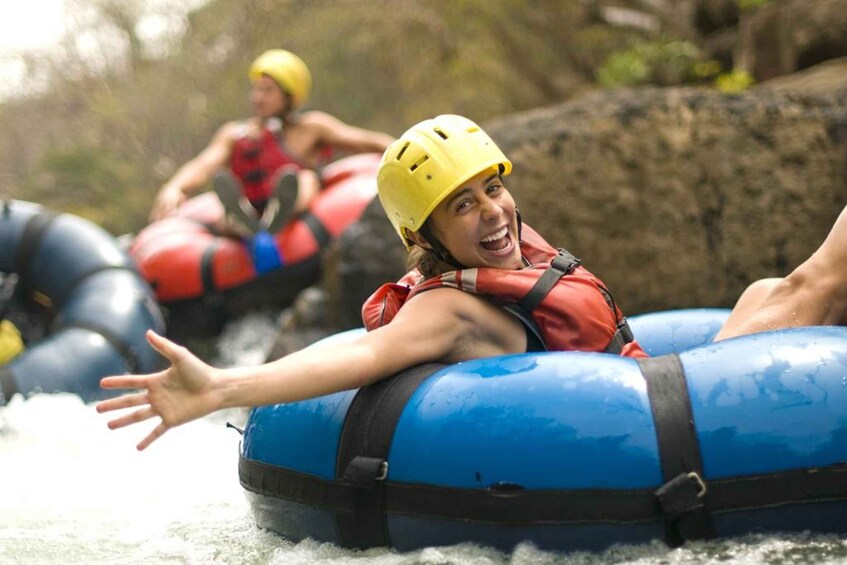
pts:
pixel 268 98
pixel 478 224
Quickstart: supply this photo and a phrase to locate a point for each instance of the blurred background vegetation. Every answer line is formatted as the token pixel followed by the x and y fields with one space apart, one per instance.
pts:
pixel 116 109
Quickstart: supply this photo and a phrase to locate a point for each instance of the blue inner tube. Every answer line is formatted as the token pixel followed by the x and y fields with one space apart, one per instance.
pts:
pixel 99 308
pixel 569 450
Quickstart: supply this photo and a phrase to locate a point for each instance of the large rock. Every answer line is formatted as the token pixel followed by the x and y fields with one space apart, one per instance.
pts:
pixel 675 197
pixel 681 197
pixel 367 255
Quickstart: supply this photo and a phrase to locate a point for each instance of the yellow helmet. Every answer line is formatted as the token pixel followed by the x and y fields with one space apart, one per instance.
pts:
pixel 427 163
pixel 287 69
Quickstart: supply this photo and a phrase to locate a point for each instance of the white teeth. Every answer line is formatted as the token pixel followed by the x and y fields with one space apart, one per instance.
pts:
pixel 496 236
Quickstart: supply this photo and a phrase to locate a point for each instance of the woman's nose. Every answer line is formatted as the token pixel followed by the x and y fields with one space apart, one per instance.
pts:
pixel 491 209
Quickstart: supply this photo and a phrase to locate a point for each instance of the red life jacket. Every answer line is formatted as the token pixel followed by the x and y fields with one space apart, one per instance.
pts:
pixel 568 307
pixel 255 161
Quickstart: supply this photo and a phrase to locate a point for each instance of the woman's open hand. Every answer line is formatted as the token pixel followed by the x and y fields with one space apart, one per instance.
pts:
pixel 183 392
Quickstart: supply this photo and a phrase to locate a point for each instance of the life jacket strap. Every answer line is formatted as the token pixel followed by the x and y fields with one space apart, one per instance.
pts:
pixel 622 336
pixel 562 264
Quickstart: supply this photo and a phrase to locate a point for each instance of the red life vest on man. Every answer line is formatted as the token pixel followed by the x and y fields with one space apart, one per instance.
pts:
pixel 563 303
pixel 256 161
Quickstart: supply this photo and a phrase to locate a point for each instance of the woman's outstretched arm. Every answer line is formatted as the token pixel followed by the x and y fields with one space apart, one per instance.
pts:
pixel 440 325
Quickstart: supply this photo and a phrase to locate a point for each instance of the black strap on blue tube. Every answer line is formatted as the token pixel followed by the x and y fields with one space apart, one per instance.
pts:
pixel 683 498
pixel 31 237
pixel 363 454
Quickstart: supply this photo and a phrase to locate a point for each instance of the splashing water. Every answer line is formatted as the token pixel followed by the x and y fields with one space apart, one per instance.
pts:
pixel 71 491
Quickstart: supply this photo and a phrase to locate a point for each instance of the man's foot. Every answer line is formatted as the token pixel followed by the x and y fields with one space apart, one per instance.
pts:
pixel 280 206
pixel 236 207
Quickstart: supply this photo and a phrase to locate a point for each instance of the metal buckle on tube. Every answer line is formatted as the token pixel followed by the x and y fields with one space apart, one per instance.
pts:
pixel 701 486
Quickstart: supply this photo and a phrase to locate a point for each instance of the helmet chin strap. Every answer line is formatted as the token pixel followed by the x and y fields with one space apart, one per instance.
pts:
pixel 520 223
pixel 438 249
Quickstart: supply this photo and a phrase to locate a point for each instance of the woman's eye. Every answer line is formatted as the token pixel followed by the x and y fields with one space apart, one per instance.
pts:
pixel 463 205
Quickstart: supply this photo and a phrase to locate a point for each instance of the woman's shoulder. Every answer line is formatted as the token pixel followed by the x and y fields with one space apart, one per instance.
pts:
pixel 447 303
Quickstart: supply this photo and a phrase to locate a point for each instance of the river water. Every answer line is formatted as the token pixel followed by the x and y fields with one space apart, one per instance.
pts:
pixel 71 491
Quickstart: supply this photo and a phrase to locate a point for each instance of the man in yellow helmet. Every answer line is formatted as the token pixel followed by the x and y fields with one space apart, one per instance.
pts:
pixel 263 168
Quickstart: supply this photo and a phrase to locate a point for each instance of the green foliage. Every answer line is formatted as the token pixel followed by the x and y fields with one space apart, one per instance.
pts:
pixel 625 68
pixel 594 44
pixel 663 62
pixel 734 82
pixel 704 70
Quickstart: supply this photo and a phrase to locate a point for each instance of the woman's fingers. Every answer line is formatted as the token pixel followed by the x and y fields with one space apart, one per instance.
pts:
pixel 163 345
pixel 124 381
pixel 120 402
pixel 132 418
pixel 157 432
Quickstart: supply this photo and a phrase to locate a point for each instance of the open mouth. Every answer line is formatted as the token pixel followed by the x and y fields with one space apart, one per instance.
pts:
pixel 497 241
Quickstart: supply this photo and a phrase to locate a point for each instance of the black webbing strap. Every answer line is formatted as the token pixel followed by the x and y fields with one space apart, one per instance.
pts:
pixel 128 352
pixel 562 264
pixel 31 237
pixel 318 229
pixel 534 339
pixel 623 333
pixel 363 454
pixel 212 298
pixel 622 336
pixel 8 385
pixel 207 274
pixel 683 497
pixel 528 507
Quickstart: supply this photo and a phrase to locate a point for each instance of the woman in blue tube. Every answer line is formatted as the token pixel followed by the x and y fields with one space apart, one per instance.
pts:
pixel 483 284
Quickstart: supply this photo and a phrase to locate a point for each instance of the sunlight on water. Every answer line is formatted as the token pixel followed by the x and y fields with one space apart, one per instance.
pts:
pixel 75 492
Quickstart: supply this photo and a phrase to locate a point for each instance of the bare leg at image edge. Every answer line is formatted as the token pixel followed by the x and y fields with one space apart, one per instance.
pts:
pixel 814 294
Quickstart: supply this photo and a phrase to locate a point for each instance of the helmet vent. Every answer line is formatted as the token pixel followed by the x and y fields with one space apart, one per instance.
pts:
pixel 440 133
pixel 419 162
pixel 402 150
